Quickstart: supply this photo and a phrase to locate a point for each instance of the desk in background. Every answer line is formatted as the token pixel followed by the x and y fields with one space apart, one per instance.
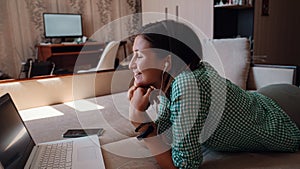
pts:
pixel 65 55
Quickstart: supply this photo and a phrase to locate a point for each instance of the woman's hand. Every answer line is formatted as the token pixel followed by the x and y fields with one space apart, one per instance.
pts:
pixel 140 98
pixel 130 92
pixel 139 102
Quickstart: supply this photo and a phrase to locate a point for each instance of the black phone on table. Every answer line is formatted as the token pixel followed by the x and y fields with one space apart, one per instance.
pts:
pixel 72 133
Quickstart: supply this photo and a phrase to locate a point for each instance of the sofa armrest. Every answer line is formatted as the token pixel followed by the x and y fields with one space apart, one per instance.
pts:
pixel 261 75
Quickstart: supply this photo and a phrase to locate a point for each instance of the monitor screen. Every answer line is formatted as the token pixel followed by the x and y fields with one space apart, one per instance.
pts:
pixel 62 25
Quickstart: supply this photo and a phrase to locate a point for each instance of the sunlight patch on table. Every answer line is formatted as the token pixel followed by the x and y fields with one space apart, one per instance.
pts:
pixel 83 105
pixel 39 113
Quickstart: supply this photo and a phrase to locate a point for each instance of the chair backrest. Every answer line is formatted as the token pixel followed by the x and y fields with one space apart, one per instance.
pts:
pixel 108 56
pixel 34 68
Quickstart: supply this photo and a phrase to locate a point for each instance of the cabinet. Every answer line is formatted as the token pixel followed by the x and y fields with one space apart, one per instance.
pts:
pixel 231 21
pixel 65 56
pixel 198 13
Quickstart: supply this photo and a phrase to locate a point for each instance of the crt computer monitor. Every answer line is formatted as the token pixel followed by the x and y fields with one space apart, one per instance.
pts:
pixel 62 25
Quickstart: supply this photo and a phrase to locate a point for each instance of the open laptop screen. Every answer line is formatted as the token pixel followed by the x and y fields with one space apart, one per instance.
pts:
pixel 15 141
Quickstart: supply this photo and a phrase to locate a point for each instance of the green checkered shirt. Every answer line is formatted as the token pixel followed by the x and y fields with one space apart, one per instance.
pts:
pixel 206 109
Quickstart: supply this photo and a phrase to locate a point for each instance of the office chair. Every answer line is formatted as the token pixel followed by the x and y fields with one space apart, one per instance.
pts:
pixel 107 59
pixel 36 68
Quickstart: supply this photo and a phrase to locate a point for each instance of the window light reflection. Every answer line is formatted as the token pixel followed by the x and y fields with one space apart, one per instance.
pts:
pixel 39 113
pixel 83 105
pixel 48 79
pixel 15 139
pixel 10 84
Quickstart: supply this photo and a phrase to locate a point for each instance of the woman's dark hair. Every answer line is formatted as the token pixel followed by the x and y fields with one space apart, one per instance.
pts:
pixel 175 38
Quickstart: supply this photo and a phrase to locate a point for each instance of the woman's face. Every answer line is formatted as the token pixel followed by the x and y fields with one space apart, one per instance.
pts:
pixel 146 66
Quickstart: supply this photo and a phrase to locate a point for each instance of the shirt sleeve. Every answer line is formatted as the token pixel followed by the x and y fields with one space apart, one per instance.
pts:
pixel 163 122
pixel 187 122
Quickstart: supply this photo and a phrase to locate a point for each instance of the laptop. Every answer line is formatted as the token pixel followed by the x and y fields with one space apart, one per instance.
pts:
pixel 18 150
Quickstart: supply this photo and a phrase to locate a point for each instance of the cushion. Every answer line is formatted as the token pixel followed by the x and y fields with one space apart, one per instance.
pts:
pixel 230 57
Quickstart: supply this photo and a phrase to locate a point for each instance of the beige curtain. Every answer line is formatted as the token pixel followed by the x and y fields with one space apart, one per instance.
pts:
pixel 21 24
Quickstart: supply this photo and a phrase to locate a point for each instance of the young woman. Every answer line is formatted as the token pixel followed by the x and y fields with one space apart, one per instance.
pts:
pixel 197 107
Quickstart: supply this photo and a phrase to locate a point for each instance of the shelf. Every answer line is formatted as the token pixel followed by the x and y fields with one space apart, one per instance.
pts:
pixel 232 6
pixel 70 44
pixel 234 20
pixel 76 53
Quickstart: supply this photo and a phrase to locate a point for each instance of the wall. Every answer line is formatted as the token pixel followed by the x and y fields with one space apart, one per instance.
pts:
pixel 21 24
pixel 276 36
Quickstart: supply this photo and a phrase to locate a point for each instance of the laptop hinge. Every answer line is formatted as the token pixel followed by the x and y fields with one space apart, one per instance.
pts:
pixel 31 158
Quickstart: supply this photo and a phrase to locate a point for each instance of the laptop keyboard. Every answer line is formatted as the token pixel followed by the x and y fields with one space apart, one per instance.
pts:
pixel 56 156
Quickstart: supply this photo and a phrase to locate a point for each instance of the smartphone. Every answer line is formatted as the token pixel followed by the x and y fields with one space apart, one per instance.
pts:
pixel 72 133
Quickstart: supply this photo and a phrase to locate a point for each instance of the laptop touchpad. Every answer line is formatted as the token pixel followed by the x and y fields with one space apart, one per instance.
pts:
pixel 86 153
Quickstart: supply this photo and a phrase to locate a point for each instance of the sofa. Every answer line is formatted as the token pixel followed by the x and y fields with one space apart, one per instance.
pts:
pixel 49 106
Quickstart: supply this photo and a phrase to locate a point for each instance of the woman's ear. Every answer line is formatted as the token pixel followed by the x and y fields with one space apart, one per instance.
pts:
pixel 168 63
